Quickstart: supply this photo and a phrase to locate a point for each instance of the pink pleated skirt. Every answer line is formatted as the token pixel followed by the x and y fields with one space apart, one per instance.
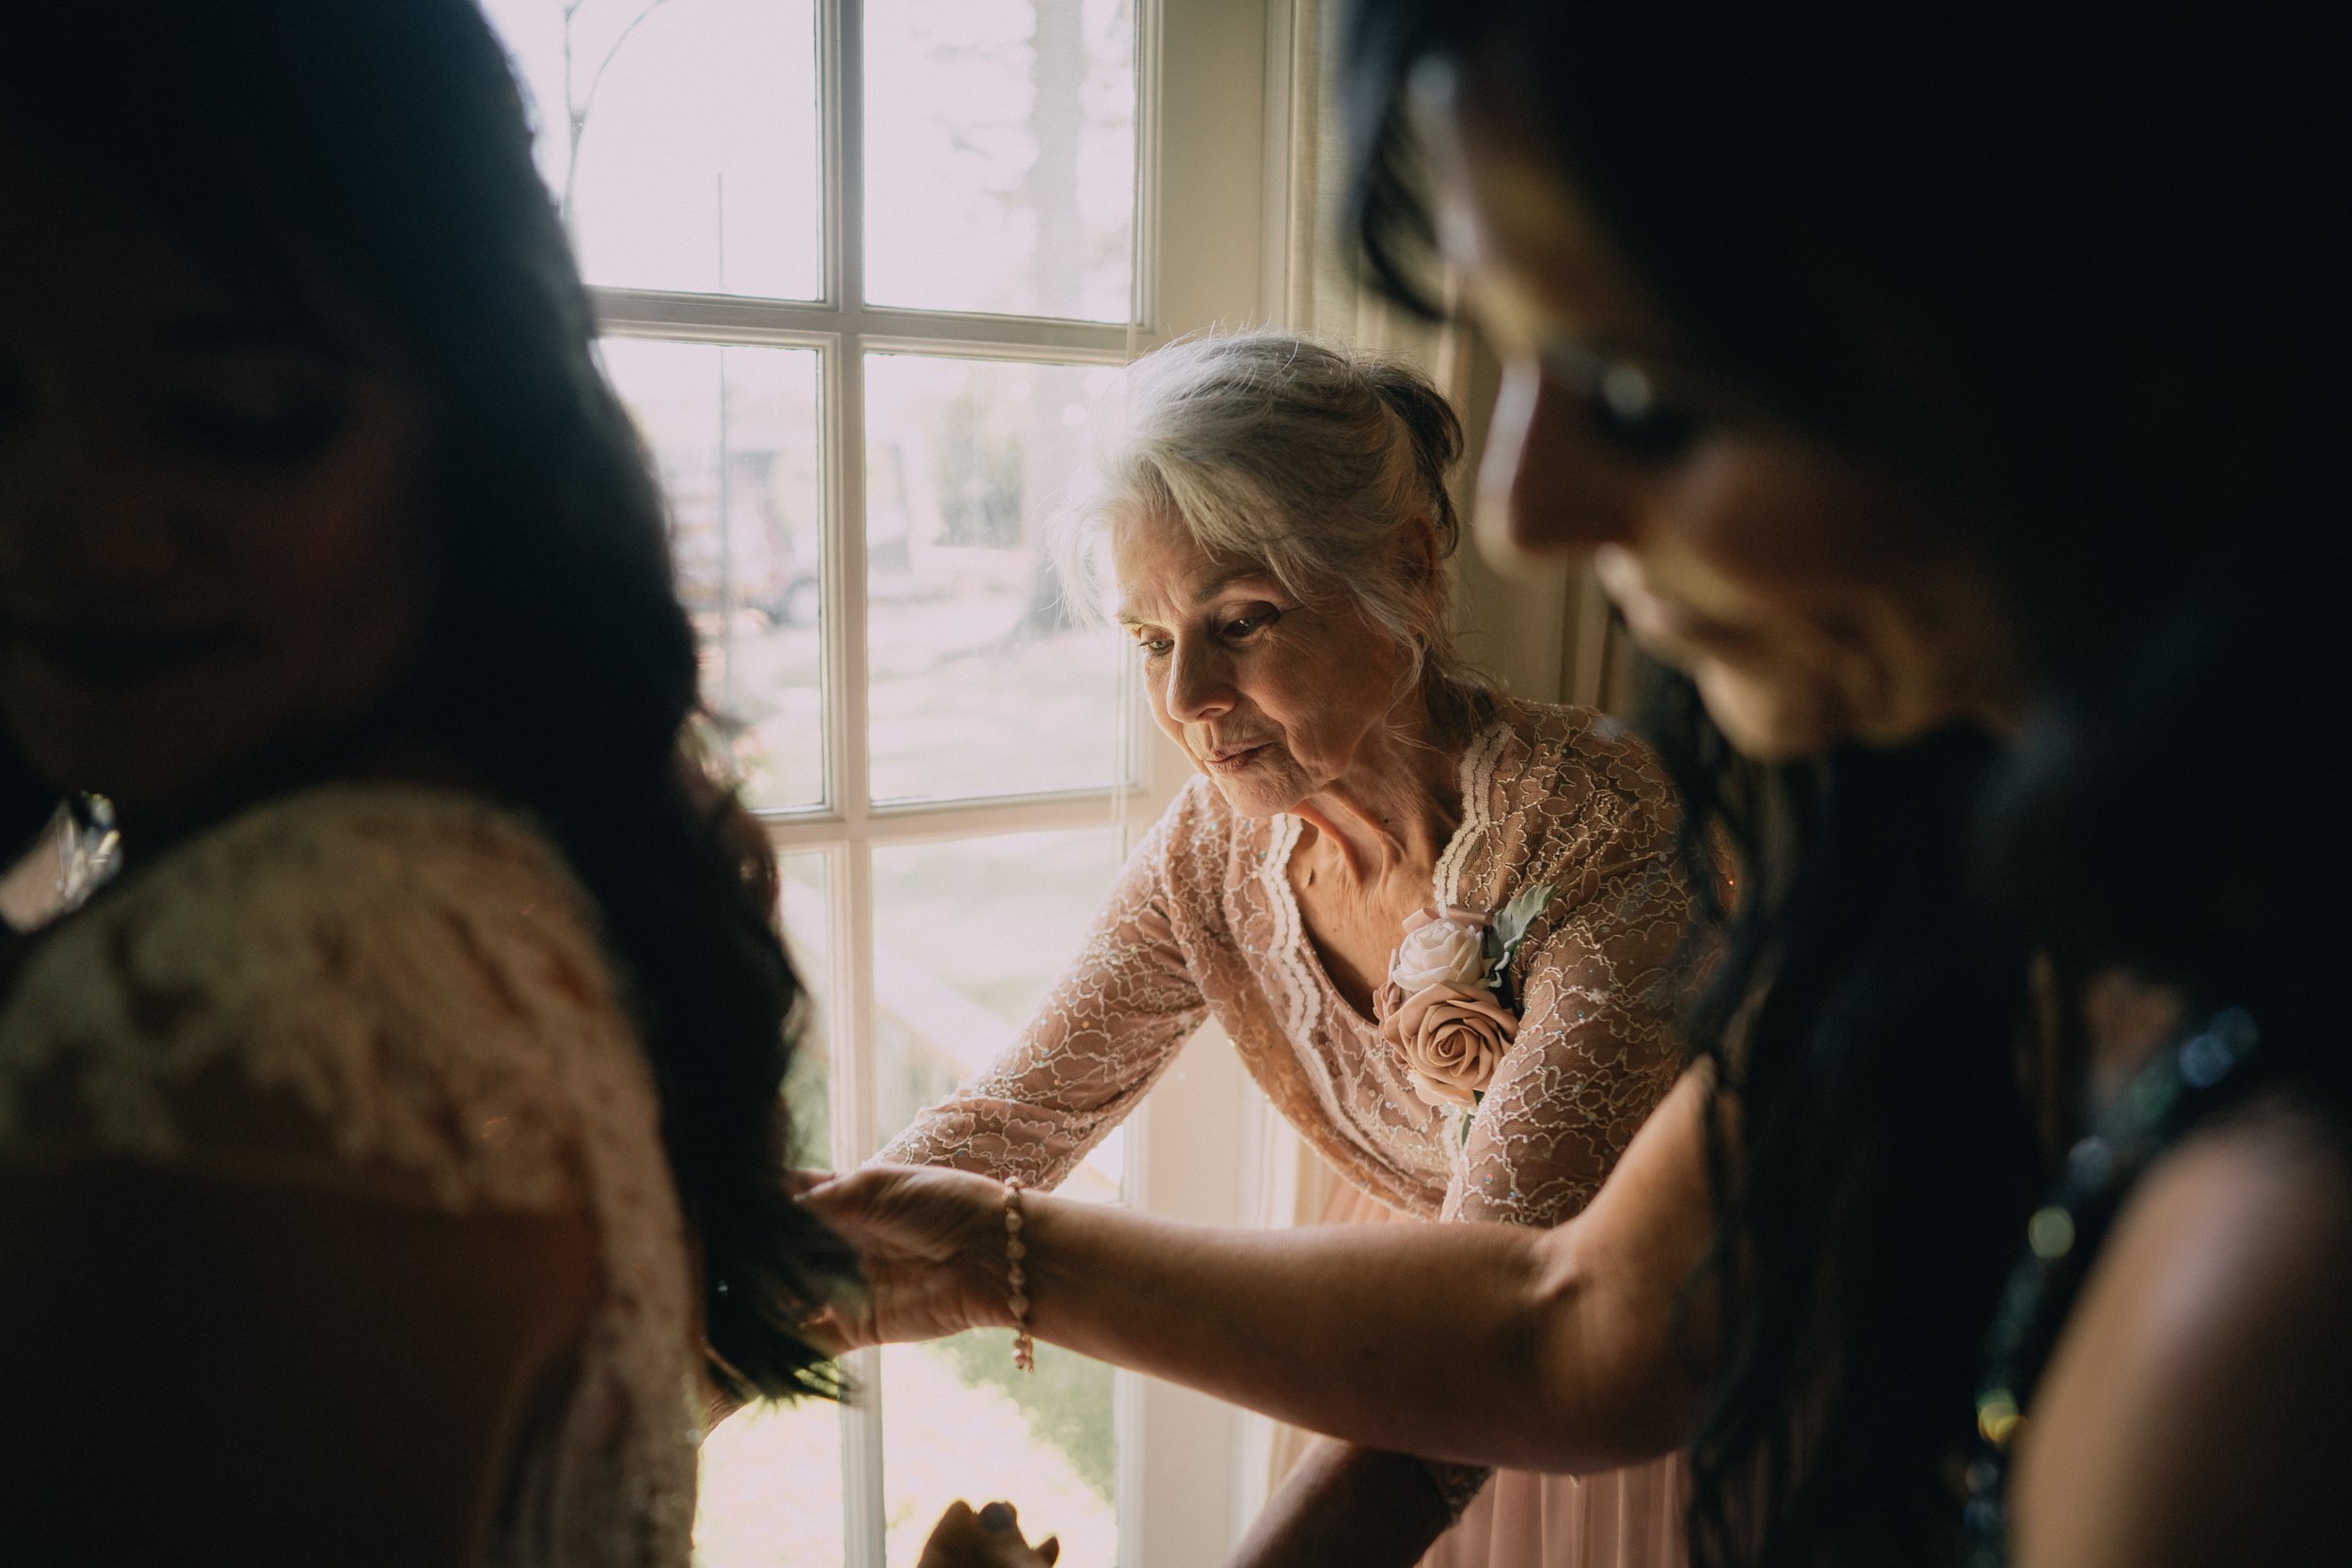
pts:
pixel 1628 1518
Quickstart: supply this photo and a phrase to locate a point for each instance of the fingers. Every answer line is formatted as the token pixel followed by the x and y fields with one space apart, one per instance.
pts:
pixel 952 1540
pixel 1007 1549
pixel 887 1213
pixel 988 1538
pixel 932 1243
pixel 845 1202
pixel 798 1180
pixel 832 1332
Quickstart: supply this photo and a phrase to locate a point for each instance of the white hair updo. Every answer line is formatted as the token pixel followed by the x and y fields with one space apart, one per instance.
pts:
pixel 1307 458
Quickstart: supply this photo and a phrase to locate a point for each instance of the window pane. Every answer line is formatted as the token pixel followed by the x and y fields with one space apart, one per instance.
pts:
pixel 968 936
pixel 679 136
pixel 808 935
pixel 734 433
pixel 980 681
pixel 960 1421
pixel 770 1491
pixel 1000 155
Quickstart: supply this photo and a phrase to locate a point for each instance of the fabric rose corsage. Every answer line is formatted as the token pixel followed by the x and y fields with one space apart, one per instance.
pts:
pixel 1447 1009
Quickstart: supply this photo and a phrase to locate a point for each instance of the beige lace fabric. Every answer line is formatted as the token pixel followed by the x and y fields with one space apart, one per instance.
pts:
pixel 1203 922
pixel 416 974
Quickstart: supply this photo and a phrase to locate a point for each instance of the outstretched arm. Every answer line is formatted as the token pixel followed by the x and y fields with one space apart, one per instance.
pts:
pixel 1567 1349
pixel 1103 1035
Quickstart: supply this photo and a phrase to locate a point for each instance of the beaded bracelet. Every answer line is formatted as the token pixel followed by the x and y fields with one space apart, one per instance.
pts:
pixel 1023 1348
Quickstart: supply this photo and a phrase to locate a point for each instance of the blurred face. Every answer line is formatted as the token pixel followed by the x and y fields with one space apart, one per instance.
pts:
pixel 1273 701
pixel 1812 600
pixel 211 555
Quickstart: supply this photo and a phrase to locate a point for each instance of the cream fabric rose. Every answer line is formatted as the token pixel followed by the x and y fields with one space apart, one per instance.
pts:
pixel 1448 949
pixel 1450 1039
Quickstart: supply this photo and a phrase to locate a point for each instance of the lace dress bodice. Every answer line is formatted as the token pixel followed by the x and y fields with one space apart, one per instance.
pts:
pixel 1203 922
pixel 408 983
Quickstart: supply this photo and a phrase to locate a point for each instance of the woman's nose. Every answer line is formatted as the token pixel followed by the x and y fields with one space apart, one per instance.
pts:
pixel 1197 687
pixel 1543 489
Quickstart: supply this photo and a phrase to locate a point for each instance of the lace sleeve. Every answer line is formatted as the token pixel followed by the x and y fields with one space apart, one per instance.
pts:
pixel 1596 1050
pixel 1105 1033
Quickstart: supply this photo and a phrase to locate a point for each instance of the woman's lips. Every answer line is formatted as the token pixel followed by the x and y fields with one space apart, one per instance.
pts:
pixel 1232 759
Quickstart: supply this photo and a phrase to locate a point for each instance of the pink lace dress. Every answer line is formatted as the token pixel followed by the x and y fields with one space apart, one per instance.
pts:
pixel 1203 922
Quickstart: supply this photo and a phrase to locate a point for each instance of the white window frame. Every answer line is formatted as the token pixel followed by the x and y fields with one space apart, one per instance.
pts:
pixel 1210 141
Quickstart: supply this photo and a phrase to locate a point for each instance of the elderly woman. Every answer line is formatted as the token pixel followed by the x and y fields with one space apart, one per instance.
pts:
pixel 1438 925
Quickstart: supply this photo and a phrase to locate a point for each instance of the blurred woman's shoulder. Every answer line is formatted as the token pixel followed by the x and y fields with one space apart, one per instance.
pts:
pixel 409 972
pixel 355 1059
pixel 2198 1408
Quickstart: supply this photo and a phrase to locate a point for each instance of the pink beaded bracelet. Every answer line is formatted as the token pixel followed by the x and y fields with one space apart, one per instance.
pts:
pixel 1023 1348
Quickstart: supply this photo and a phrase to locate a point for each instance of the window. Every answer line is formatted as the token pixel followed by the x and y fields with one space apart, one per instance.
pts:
pixel 863 266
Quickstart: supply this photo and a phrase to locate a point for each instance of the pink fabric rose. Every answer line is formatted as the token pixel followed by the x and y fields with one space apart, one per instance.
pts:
pixel 1448 949
pixel 1450 1039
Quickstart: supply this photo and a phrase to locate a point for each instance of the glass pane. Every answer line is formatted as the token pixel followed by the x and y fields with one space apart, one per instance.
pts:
pixel 980 681
pixel 679 136
pixel 1000 155
pixel 960 1421
pixel 734 433
pixel 968 935
pixel 808 935
pixel 771 1492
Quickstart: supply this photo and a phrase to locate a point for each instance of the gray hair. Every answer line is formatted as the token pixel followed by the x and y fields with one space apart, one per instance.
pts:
pixel 1305 457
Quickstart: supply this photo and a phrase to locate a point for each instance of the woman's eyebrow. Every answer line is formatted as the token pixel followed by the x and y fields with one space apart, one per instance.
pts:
pixel 1217 585
pixel 1201 594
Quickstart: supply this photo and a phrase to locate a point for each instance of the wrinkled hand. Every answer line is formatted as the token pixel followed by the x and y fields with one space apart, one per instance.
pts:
pixel 933 1240
pixel 989 1539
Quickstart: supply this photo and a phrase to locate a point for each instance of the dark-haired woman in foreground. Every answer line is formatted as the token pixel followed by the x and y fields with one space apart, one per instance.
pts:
pixel 1961 407
pixel 391 1150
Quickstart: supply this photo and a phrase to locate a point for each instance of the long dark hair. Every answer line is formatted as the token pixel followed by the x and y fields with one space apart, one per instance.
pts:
pixel 382 143
pixel 2081 280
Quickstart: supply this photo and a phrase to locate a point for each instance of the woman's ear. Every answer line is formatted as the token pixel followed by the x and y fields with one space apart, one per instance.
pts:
pixel 1422 562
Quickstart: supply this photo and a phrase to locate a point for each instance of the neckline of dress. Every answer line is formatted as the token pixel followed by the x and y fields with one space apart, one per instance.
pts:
pixel 1296 953
pixel 126 876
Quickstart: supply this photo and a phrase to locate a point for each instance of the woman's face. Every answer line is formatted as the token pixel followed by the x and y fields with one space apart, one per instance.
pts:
pixel 211 551
pixel 1272 700
pixel 1812 600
